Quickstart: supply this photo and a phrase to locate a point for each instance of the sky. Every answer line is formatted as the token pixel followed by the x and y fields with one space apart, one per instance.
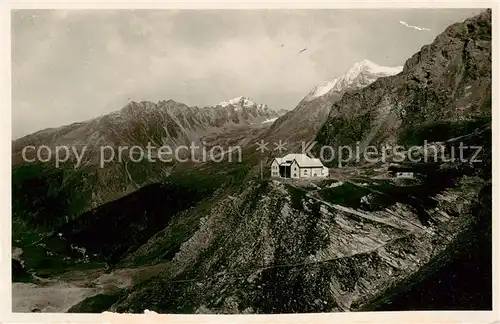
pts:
pixel 73 65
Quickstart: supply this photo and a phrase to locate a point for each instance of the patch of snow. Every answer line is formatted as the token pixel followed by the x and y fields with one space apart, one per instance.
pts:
pixel 147 311
pixel 367 65
pixel 323 88
pixel 269 120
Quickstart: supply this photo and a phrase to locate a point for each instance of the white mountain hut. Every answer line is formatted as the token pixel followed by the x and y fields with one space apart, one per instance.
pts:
pixel 298 166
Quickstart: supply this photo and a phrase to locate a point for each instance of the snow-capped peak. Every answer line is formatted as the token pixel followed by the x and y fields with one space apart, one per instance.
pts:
pixel 360 75
pixel 244 101
pixel 370 67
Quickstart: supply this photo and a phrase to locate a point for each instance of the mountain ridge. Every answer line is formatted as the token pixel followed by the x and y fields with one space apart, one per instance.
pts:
pixel 449 79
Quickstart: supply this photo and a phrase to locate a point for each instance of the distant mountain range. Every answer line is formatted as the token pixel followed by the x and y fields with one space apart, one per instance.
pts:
pixel 166 122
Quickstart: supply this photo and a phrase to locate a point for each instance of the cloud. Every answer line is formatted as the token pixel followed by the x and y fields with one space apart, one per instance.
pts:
pixel 404 23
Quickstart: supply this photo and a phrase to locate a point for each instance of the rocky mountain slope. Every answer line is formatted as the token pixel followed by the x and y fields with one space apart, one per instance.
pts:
pixel 277 248
pixel 448 81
